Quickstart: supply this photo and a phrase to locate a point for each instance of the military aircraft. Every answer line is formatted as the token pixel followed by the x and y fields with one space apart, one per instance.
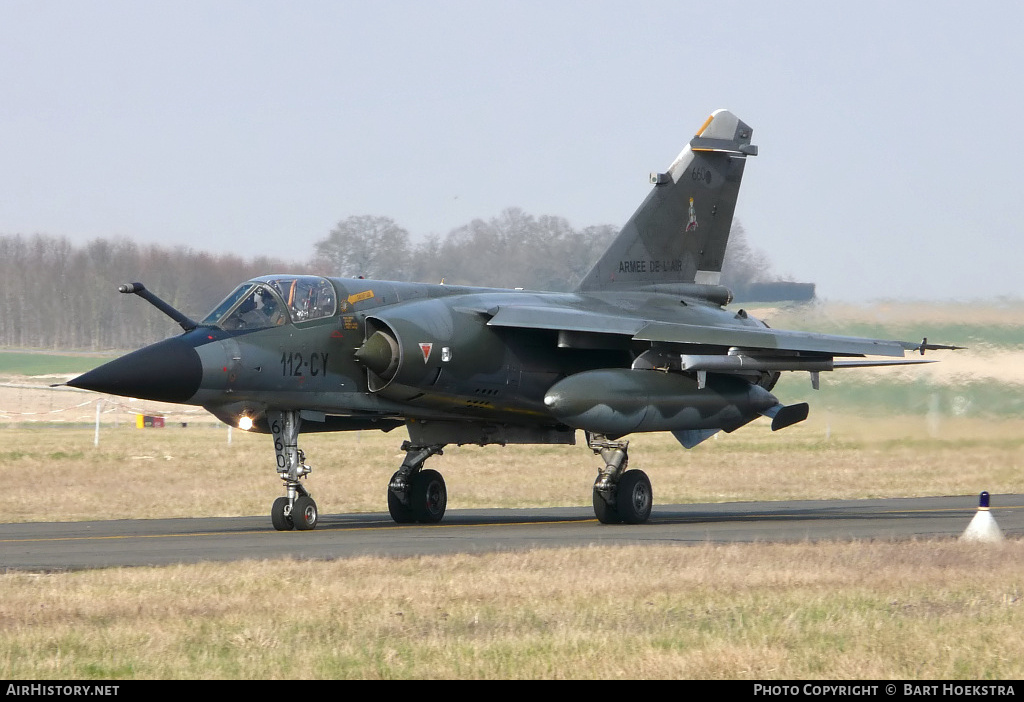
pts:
pixel 643 344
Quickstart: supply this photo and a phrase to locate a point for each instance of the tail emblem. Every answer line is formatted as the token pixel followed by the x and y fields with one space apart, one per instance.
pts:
pixel 691 226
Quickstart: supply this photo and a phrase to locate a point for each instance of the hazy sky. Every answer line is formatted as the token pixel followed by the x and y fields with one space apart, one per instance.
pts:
pixel 886 166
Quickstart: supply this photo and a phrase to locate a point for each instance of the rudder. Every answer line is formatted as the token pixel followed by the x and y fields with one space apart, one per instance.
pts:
pixel 680 231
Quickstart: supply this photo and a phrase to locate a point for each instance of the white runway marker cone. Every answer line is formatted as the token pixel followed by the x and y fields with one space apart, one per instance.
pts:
pixel 983 527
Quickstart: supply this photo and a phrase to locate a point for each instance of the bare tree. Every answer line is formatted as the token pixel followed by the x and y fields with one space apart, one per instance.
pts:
pixel 744 265
pixel 516 249
pixel 57 295
pixel 365 245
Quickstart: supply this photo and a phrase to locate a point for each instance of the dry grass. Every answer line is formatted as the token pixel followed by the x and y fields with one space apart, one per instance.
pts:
pixel 175 472
pixel 855 610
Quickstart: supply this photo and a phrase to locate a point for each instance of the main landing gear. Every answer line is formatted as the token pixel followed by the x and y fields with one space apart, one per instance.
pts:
pixel 296 510
pixel 620 495
pixel 414 494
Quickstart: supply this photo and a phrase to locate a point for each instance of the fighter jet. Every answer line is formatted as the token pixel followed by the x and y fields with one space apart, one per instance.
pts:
pixel 643 344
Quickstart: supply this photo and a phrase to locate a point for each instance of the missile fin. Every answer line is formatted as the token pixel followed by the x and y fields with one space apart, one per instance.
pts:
pixel 786 415
pixel 691 437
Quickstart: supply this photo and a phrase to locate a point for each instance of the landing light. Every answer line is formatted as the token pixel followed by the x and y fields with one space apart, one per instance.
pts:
pixel 245 423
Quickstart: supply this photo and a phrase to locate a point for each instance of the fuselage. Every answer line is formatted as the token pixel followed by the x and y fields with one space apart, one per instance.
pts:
pixel 355 353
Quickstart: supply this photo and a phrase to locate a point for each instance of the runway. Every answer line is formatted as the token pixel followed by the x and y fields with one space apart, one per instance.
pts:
pixel 62 546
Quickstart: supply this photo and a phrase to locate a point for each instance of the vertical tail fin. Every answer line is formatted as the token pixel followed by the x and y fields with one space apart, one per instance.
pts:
pixel 679 233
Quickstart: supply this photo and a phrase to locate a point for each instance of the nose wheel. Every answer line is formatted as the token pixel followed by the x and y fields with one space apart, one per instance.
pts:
pixel 304 514
pixel 301 513
pixel 281 515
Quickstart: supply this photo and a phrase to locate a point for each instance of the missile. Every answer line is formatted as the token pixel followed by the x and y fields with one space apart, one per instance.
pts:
pixel 619 401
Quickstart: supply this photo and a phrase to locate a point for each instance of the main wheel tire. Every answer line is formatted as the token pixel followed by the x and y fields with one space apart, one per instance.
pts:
pixel 605 513
pixel 277 515
pixel 402 514
pixel 304 513
pixel 635 497
pixel 428 496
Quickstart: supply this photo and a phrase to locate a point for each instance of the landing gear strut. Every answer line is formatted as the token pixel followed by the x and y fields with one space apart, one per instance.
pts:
pixel 620 495
pixel 296 510
pixel 414 494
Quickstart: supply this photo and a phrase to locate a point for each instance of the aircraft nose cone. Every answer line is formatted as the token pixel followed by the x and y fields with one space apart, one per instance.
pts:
pixel 167 371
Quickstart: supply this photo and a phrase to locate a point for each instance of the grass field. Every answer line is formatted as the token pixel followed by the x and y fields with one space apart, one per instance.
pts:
pixel 148 473
pixel 867 610
pixel 931 610
pixel 44 363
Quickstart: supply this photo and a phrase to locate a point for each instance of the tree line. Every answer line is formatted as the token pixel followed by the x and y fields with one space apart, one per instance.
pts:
pixel 57 295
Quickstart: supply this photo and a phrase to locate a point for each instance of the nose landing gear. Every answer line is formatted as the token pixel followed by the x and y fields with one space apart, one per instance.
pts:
pixel 297 510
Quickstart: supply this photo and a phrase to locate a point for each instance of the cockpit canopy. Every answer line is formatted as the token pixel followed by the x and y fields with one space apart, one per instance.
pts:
pixel 274 300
